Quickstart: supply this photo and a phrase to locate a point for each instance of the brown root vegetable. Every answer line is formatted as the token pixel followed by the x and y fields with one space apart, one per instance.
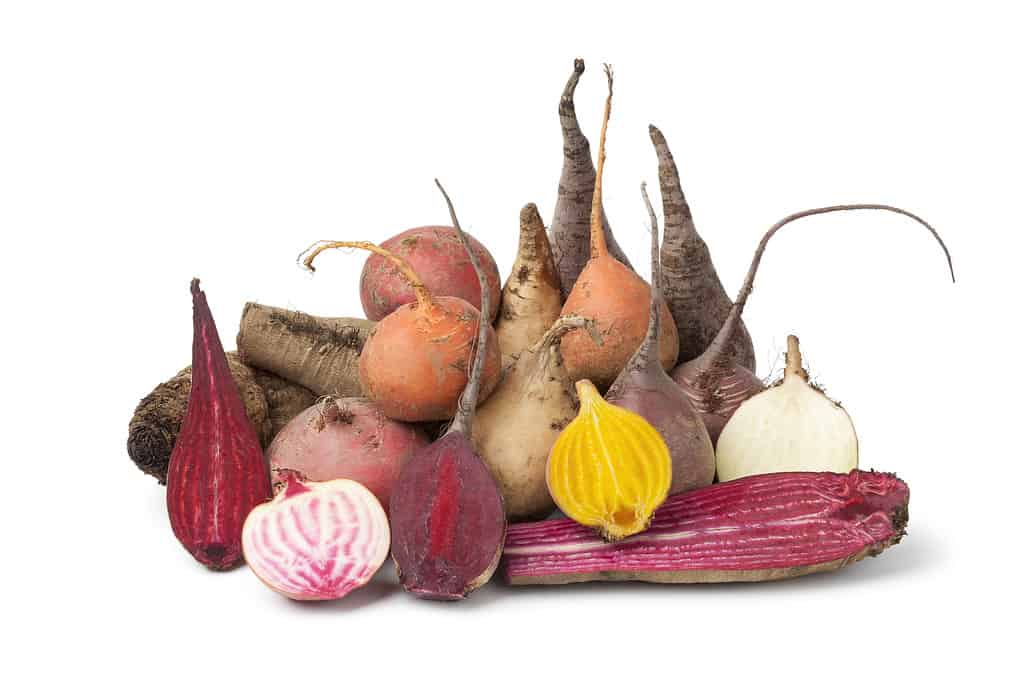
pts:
pixel 570 229
pixel 217 473
pixel 611 294
pixel 692 288
pixel 517 426
pixel 157 420
pixel 447 516
pixel 716 383
pixel 531 298
pixel 345 438
pixel 415 363
pixel 760 528
pixel 436 253
pixel 284 399
pixel 647 390
pixel 320 354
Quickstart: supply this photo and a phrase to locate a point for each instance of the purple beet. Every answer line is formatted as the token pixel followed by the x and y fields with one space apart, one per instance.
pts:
pixel 646 389
pixel 447 515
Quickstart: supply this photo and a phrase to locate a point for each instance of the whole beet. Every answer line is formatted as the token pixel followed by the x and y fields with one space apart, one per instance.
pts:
pixel 646 389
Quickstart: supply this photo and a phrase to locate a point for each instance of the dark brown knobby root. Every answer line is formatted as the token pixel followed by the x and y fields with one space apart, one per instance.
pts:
pixel 320 354
pixel 157 420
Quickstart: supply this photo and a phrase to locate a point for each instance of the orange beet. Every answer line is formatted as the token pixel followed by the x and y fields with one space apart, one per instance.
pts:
pixel 611 294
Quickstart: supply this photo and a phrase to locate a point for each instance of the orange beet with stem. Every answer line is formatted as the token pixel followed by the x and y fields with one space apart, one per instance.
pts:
pixel 617 299
pixel 415 363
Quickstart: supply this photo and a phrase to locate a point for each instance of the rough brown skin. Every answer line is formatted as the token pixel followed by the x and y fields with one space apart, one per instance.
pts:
pixel 531 298
pixel 715 382
pixel 320 354
pixel 692 288
pixel 284 399
pixel 570 229
pixel 157 420
pixel 613 296
pixel 646 389
pixel 517 426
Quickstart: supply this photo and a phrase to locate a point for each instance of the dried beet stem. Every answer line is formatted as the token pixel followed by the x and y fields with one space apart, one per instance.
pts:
pixel 414 281
pixel 598 243
pixel 467 402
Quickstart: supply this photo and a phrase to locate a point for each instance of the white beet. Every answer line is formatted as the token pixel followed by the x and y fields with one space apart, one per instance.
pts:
pixel 317 540
pixel 791 427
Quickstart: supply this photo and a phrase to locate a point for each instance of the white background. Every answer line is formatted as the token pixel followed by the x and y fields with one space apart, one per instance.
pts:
pixel 145 143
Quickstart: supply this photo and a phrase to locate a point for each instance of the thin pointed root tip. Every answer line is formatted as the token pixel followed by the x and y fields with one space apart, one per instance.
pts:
pixel 579 65
pixel 194 286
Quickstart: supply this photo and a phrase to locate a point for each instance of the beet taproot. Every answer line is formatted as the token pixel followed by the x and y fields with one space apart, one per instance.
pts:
pixel 715 382
pixel 531 298
pixel 570 228
pixel 447 515
pixel 692 289
pixel 612 295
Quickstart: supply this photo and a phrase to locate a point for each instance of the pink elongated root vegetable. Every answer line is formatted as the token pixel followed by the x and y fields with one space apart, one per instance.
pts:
pixel 345 438
pixel 316 541
pixel 759 528
pixel 715 382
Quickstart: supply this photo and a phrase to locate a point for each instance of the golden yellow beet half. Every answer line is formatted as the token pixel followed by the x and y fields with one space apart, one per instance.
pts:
pixel 609 468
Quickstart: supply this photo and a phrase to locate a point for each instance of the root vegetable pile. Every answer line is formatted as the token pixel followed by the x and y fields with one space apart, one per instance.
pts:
pixel 325 444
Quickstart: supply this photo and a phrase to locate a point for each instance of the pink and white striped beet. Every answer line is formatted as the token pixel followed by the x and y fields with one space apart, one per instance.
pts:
pixel 317 540
pixel 759 528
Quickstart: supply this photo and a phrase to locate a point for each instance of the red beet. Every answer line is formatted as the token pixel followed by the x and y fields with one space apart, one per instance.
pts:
pixel 437 254
pixel 447 514
pixel 646 389
pixel 217 474
pixel 759 528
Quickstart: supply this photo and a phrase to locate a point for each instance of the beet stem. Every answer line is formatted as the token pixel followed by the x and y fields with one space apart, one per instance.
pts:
pixel 648 349
pixel 716 354
pixel 598 242
pixel 403 266
pixel 793 358
pixel 462 421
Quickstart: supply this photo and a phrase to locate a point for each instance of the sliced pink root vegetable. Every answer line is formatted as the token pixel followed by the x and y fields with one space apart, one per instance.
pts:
pixel 317 540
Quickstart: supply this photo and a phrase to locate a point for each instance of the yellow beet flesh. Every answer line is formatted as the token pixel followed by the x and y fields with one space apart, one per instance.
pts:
pixel 609 469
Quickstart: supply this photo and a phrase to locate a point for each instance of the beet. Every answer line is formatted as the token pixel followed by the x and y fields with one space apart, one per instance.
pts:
pixel 217 473
pixel 646 389
pixel 447 514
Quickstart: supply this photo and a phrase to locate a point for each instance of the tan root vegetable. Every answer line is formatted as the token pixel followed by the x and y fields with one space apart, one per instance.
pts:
pixel 612 295
pixel 320 354
pixel 416 362
pixel 791 427
pixel 519 423
pixel 531 298
pixel 155 425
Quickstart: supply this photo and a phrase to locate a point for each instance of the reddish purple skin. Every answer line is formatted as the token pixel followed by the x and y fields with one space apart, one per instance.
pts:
pixel 763 522
pixel 347 439
pixel 447 520
pixel 653 396
pixel 437 256
pixel 715 405
pixel 217 473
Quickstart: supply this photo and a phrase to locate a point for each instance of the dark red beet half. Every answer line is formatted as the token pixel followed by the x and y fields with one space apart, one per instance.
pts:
pixel 447 515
